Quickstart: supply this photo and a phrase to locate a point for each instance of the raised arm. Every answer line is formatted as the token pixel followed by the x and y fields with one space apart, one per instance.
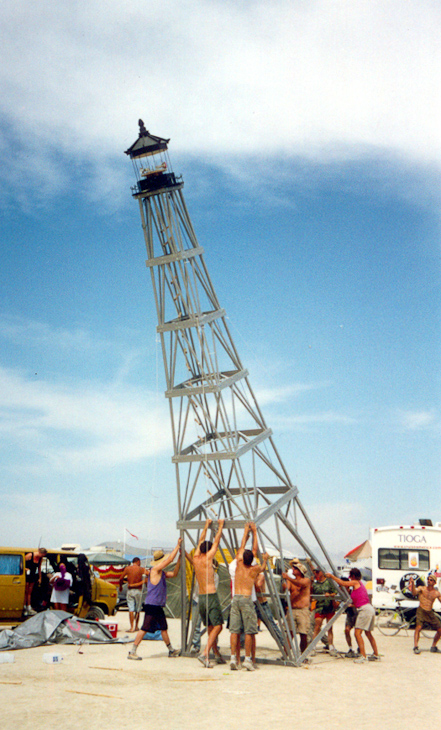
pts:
pixel 262 566
pixel 412 587
pixel 343 583
pixel 173 573
pixel 203 536
pixel 167 559
pixel 254 546
pixel 259 584
pixel 246 532
pixel 213 550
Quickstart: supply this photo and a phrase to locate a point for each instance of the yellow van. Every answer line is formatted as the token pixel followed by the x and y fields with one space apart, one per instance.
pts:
pixel 90 597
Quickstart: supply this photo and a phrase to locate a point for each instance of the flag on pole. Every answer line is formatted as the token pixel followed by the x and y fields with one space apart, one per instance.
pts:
pixel 131 534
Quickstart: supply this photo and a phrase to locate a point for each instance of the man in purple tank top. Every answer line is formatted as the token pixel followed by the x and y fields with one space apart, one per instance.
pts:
pixel 156 599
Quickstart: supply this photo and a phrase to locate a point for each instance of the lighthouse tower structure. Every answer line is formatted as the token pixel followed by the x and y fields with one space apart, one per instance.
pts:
pixel 226 462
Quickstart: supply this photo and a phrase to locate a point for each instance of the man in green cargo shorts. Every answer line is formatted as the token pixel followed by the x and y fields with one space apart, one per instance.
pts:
pixel 209 605
pixel 243 612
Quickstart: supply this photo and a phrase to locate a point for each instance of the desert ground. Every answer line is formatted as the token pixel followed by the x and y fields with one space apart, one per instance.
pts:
pixel 95 687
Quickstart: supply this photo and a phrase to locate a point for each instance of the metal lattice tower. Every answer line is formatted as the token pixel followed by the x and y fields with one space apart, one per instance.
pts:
pixel 227 465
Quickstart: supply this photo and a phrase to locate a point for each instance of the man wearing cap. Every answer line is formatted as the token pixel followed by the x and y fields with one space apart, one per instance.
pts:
pixel 156 599
pixel 209 606
pixel 299 593
pixel 324 590
pixel 425 614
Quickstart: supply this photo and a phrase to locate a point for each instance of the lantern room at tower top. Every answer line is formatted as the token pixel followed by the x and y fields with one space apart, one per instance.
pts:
pixel 151 163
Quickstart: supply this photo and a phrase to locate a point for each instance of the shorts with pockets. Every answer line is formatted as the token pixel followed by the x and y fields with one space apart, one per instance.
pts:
pixel 243 613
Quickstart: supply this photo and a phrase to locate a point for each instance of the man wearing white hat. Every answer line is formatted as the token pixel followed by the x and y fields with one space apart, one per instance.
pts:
pixel 425 615
pixel 299 587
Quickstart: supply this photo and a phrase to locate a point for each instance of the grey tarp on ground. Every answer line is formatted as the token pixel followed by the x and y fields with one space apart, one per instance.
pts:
pixel 54 627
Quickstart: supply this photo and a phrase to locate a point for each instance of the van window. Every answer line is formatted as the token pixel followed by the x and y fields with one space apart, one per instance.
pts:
pixel 11 565
pixel 398 559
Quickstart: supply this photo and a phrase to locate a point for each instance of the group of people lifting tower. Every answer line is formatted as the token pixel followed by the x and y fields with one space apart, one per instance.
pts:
pixel 243 617
pixel 311 593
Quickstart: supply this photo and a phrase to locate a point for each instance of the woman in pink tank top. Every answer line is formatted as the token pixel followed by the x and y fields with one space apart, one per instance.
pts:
pixel 365 612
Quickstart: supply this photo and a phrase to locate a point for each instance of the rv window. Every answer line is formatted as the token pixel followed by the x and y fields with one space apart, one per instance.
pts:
pixel 389 559
pixel 11 565
pixel 398 559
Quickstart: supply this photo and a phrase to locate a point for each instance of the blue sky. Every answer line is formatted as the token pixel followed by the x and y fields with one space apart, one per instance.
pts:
pixel 308 136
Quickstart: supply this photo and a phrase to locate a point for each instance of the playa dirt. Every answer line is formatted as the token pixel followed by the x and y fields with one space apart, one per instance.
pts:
pixel 97 688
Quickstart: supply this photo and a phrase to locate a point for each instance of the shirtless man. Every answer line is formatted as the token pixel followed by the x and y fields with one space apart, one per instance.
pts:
pixel 425 613
pixel 135 576
pixel 242 611
pixel 209 605
pixel 299 593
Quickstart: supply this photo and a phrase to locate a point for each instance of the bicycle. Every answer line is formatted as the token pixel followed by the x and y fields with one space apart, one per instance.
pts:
pixel 390 621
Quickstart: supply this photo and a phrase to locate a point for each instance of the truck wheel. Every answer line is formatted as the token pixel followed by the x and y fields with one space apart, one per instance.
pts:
pixel 95 613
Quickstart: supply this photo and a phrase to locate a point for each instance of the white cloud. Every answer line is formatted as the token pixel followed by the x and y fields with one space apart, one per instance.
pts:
pixel 51 519
pixel 417 420
pixel 74 428
pixel 328 81
pixel 39 334
pixel 267 396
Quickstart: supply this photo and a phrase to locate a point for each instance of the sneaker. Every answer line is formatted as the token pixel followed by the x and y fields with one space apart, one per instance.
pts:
pixel 416 650
pixel 134 655
pixel 360 660
pixel 434 650
pixel 233 665
pixel 173 652
pixel 373 658
pixel 248 666
pixel 255 665
pixel 351 654
pixel 218 658
pixel 204 661
pixel 334 652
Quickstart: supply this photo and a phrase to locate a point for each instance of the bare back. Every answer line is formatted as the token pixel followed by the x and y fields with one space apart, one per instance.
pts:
pixel 135 575
pixel 203 568
pixel 245 578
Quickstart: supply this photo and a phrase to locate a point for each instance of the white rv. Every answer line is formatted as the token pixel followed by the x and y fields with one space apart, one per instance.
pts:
pixel 402 552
